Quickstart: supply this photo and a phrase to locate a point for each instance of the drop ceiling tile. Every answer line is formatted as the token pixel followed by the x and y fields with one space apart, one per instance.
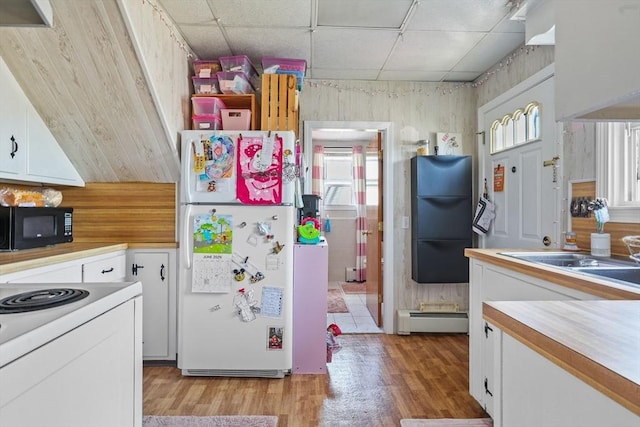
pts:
pixel 458 15
pixel 431 50
pixel 362 13
pixel 342 74
pixel 413 76
pixel 259 42
pixel 271 13
pixel 187 11
pixel 346 48
pixel 491 49
pixel 206 42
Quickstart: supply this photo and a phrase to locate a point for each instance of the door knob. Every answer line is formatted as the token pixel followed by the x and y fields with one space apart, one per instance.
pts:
pixel 366 233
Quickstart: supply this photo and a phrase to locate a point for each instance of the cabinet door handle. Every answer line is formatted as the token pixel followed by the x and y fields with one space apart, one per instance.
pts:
pixel 134 269
pixel 486 387
pixel 14 146
pixel 162 272
pixel 487 328
pixel 107 271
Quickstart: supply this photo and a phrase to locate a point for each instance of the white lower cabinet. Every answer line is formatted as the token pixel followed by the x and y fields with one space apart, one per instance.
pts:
pixel 155 268
pixel 488 282
pixel 57 273
pixel 536 392
pixel 106 268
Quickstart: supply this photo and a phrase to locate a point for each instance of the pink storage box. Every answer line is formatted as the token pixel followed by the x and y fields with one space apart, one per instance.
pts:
pixel 236 119
pixel 206 122
pixel 207 105
pixel 234 82
pixel 206 68
pixel 204 86
pixel 244 64
pixel 298 67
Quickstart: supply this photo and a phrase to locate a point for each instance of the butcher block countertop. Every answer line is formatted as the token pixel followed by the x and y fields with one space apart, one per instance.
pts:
pixel 11 262
pixel 597 341
pixel 595 286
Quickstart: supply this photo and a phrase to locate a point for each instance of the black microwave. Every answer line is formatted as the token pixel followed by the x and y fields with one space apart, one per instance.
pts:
pixel 28 228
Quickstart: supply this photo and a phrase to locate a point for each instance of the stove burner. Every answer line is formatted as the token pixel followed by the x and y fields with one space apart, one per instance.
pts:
pixel 41 299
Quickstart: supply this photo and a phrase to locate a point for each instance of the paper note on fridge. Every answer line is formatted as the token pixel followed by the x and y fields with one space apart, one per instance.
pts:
pixel 272 301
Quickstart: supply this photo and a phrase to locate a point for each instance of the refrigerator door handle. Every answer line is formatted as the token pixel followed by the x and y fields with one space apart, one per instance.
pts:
pixel 187 249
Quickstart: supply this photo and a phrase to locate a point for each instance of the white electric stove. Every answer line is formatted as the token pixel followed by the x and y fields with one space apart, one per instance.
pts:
pixel 84 338
pixel 21 332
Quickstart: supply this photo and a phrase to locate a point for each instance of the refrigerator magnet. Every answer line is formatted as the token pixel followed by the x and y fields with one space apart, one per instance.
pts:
pixel 275 337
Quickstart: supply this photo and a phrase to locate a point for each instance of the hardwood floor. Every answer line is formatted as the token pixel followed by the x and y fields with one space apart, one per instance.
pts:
pixel 375 380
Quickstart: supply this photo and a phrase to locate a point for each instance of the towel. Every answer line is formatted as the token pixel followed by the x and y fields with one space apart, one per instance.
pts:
pixel 485 212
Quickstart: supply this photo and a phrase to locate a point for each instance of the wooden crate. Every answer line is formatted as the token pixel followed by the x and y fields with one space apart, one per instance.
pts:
pixel 279 102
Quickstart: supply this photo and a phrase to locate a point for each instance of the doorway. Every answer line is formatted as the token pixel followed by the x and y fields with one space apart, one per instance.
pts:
pixel 376 299
pixel 521 165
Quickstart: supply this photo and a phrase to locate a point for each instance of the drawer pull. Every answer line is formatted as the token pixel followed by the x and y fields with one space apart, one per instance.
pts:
pixel 162 272
pixel 107 271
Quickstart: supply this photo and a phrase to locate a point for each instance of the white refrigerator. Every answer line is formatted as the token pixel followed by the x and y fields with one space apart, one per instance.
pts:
pixel 237 231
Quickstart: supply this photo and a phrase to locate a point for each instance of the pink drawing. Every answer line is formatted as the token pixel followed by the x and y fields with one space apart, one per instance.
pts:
pixel 259 180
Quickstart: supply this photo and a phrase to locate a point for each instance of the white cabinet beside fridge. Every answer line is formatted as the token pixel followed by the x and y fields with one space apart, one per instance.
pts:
pixel 155 268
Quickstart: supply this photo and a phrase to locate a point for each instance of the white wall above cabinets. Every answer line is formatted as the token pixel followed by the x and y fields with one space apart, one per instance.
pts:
pixel 28 151
pixel 597 61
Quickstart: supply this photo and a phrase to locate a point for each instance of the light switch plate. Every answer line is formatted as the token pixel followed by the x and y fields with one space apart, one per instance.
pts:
pixel 405 222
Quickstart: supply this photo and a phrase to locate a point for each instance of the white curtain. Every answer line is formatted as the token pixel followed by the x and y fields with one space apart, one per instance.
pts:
pixel 359 189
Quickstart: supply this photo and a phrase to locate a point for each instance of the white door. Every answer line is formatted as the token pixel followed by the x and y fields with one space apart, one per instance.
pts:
pixel 528 206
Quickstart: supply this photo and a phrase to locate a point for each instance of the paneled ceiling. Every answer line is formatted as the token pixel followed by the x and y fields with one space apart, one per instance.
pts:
pixel 402 40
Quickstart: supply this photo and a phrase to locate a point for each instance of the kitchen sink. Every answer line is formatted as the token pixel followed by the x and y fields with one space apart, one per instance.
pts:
pixel 620 270
pixel 567 259
pixel 627 275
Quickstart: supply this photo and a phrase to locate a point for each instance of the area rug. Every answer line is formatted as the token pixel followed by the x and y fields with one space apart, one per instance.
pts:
pixel 335 302
pixel 354 288
pixel 213 421
pixel 448 422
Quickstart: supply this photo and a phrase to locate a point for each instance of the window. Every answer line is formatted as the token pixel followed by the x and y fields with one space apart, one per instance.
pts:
pixel 618 169
pixel 516 129
pixel 338 179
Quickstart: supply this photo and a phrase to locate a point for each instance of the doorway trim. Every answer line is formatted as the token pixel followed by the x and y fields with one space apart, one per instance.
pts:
pixel 386 128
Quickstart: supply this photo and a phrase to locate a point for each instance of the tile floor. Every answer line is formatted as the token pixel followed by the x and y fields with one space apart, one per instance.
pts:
pixel 358 320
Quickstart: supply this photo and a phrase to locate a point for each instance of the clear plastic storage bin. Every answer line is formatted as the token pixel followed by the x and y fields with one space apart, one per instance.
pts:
pixel 234 82
pixel 244 64
pixel 207 106
pixel 206 122
pixel 206 67
pixel 204 86
pixel 298 67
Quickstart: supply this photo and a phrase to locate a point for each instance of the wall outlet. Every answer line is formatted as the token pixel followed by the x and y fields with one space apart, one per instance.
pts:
pixel 405 222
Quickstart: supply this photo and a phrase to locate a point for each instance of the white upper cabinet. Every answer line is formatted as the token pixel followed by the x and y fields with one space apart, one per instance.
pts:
pixel 597 61
pixel 28 150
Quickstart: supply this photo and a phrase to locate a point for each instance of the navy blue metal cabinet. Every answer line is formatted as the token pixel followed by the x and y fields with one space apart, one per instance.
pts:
pixel 441 214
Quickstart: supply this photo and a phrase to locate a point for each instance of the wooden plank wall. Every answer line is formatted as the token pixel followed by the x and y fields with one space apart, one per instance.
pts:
pixel 127 212
pixel 583 227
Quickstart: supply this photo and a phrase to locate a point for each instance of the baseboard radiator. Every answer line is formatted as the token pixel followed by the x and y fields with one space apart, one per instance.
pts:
pixel 269 373
pixel 421 321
